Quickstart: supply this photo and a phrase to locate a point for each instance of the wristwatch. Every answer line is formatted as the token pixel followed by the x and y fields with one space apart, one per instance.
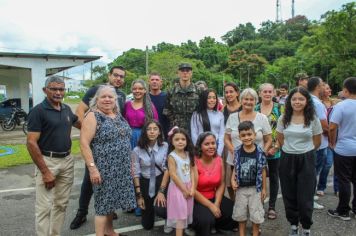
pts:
pixel 91 164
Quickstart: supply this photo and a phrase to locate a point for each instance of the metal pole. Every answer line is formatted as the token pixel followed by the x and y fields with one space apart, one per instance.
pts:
pixel 147 60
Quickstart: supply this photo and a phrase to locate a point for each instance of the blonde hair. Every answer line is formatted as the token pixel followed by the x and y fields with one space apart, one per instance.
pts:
pixel 93 104
pixel 251 92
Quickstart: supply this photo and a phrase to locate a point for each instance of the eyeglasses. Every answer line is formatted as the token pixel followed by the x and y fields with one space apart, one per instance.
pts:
pixel 53 89
pixel 118 76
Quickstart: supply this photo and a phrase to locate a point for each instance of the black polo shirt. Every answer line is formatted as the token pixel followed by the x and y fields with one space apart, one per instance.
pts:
pixel 121 97
pixel 55 126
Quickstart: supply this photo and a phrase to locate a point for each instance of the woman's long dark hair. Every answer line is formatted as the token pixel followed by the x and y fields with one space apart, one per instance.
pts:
pixel 235 87
pixel 200 140
pixel 143 141
pixel 202 109
pixel 188 148
pixel 309 111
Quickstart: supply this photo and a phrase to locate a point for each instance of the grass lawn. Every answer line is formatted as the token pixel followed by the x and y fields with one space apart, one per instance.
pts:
pixel 72 100
pixel 21 156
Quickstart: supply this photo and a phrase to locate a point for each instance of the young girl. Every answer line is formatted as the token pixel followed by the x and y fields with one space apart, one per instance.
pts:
pixel 181 187
pixel 299 133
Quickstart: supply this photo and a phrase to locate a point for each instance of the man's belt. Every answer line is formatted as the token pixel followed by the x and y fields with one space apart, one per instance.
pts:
pixel 55 154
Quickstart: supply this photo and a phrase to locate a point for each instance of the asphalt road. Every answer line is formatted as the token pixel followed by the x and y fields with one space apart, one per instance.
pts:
pixel 17 217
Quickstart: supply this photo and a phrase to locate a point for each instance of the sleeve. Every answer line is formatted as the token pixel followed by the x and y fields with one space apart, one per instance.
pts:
pixel 221 134
pixel 316 126
pixel 336 115
pixel 89 95
pixel 280 126
pixel 34 120
pixel 168 109
pixel 136 169
pixel 266 127
pixel 229 124
pixel 164 163
pixel 320 111
pixel 194 129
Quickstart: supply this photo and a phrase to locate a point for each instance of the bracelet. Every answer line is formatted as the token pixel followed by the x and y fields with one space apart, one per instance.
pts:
pixel 138 195
pixel 162 190
pixel 137 186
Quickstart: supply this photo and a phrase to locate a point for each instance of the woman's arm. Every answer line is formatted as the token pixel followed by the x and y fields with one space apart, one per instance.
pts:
pixel 332 134
pixel 172 167
pixel 160 199
pixel 194 127
pixel 192 189
pixel 267 139
pixel 228 143
pixel 221 135
pixel 87 134
pixel 280 138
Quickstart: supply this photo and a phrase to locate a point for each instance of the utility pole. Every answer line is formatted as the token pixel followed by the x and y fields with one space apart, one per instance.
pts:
pixel 91 70
pixel 292 8
pixel 147 60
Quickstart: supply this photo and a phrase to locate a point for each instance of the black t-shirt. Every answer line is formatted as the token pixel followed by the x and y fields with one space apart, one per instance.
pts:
pixel 248 168
pixel 121 97
pixel 55 126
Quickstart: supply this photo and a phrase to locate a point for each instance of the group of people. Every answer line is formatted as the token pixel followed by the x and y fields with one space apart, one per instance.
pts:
pixel 184 156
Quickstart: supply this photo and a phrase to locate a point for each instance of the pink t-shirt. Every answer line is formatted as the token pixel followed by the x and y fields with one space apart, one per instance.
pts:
pixel 136 118
pixel 209 177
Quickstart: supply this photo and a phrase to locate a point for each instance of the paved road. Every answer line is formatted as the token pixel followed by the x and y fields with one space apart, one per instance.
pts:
pixel 17 210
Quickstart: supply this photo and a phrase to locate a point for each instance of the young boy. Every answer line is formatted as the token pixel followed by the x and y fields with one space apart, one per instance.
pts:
pixel 249 180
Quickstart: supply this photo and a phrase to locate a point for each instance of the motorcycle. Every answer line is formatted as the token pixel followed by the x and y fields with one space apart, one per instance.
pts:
pixel 18 117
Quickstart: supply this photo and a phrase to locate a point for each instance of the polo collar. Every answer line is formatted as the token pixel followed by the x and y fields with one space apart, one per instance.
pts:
pixel 47 105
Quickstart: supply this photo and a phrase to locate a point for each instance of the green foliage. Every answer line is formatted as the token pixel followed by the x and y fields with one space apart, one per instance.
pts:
pixel 274 53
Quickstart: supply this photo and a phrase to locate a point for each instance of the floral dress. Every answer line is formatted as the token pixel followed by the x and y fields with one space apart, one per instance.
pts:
pixel 272 119
pixel 111 152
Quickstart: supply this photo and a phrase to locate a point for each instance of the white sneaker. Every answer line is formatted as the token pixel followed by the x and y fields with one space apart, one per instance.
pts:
pixel 294 231
pixel 189 232
pixel 316 198
pixel 166 229
pixel 317 206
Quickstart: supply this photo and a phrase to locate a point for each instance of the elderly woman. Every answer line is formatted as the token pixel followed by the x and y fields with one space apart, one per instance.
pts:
pixel 105 145
pixel 272 111
pixel 263 130
pixel 211 208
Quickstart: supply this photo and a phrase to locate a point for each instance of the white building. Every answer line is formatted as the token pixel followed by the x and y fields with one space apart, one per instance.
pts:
pixel 18 70
pixel 73 85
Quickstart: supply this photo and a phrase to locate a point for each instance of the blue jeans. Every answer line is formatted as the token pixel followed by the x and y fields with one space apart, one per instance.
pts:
pixel 325 167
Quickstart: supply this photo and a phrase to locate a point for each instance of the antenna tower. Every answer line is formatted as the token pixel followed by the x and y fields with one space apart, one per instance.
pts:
pixel 278 11
pixel 292 8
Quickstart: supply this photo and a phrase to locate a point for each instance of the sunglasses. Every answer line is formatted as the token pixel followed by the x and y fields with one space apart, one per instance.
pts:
pixel 53 89
pixel 118 76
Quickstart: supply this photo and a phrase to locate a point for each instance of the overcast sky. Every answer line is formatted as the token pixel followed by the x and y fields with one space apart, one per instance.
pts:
pixel 107 28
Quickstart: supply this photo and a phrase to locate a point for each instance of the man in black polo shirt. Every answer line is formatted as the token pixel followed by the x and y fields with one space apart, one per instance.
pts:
pixel 49 144
pixel 116 78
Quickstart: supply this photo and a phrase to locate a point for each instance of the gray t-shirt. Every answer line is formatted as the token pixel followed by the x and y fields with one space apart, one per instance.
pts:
pixel 297 138
pixel 344 116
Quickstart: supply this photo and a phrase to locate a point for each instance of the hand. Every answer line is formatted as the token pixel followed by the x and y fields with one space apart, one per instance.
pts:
pixel 95 177
pixel 160 200
pixel 48 180
pixel 234 184
pixel 272 151
pixel 263 195
pixel 141 203
pixel 192 192
pixel 215 210
pixel 186 193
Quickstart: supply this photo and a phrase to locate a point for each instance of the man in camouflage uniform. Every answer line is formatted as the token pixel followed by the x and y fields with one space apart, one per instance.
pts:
pixel 182 99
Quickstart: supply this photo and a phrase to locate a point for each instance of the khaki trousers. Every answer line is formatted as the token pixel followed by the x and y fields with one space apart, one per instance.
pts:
pixel 51 204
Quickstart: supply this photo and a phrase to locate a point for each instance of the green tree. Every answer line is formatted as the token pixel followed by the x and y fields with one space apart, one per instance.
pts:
pixel 242 32
pixel 133 60
pixel 213 54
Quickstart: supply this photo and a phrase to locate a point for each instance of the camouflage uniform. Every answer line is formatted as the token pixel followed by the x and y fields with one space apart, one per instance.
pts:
pixel 180 105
